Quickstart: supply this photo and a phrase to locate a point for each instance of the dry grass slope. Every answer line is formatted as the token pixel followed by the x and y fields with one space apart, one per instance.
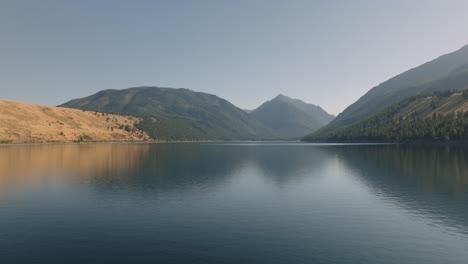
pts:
pixel 28 123
pixel 428 105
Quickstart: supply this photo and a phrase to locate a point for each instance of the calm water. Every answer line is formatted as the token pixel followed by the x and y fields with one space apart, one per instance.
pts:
pixel 233 203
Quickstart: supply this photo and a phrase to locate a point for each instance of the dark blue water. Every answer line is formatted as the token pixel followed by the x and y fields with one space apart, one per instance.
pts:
pixel 233 203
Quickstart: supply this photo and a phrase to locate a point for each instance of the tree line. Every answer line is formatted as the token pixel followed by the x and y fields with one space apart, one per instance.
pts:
pixel 385 126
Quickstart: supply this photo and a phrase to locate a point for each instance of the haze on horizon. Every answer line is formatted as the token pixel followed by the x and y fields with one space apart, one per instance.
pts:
pixel 327 53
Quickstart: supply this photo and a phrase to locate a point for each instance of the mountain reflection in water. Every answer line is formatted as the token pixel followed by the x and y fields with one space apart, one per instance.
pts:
pixel 233 203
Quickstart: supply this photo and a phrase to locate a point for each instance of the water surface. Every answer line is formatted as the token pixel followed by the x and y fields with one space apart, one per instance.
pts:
pixel 233 203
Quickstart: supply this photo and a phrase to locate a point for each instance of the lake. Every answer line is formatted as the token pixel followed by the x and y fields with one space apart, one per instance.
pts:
pixel 233 203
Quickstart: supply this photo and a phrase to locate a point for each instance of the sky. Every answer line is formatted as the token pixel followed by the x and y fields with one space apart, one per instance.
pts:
pixel 328 52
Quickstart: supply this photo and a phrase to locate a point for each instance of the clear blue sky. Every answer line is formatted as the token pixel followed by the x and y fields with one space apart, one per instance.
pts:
pixel 247 51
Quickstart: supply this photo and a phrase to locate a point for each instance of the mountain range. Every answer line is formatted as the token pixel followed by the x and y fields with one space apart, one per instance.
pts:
pixel 427 102
pixel 177 114
pixel 182 114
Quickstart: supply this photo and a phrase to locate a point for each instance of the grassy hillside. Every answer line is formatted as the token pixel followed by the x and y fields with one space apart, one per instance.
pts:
pixel 177 114
pixel 442 115
pixel 400 87
pixel 291 118
pixel 23 123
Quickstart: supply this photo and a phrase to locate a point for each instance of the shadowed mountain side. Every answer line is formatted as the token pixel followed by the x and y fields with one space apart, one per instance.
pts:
pixel 177 114
pixel 399 87
pixel 291 118
pixel 432 117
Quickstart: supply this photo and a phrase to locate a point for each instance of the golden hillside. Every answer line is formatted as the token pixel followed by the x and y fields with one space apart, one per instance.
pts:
pixel 426 106
pixel 28 123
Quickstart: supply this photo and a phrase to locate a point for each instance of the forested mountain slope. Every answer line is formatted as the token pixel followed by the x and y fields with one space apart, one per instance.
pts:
pixel 442 115
pixel 400 87
pixel 177 114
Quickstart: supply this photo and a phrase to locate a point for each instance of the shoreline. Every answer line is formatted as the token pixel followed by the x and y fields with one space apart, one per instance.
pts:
pixel 406 142
pixel 417 142
pixel 136 142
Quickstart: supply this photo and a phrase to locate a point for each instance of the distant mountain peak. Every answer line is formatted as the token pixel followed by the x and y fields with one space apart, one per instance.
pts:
pixel 281 96
pixel 297 102
pixel 290 117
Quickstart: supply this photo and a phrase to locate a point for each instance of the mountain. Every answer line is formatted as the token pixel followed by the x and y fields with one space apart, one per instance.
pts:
pixel 177 114
pixel 441 115
pixel 28 123
pixel 291 118
pixel 399 87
